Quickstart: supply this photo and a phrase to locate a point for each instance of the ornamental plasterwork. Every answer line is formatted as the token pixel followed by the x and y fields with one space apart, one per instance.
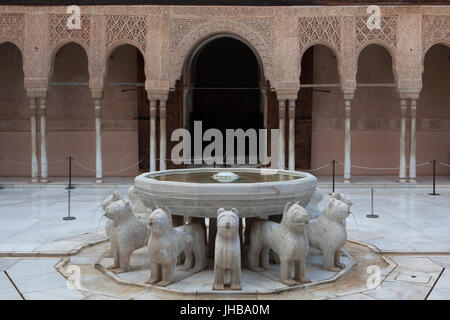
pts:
pixel 387 33
pixel 434 30
pixel 58 31
pixel 314 30
pixel 131 29
pixel 12 26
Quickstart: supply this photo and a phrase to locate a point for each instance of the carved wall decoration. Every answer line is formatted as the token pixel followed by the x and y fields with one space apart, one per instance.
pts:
pixel 314 30
pixel 58 31
pixel 12 28
pixel 434 30
pixel 187 33
pixel 387 34
pixel 132 29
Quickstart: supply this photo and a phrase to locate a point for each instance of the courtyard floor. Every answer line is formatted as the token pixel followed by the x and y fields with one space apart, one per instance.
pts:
pixel 412 230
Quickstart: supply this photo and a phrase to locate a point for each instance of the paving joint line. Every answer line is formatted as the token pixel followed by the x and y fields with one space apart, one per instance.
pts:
pixel 434 284
pixel 12 282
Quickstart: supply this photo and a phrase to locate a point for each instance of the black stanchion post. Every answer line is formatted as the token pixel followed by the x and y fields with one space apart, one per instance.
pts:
pixel 69 217
pixel 334 175
pixel 371 215
pixel 70 174
pixel 434 180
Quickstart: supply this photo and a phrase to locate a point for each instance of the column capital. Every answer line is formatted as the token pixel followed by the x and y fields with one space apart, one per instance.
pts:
pixel 413 94
pixel 161 95
pixel 97 93
pixel 283 95
pixel 36 92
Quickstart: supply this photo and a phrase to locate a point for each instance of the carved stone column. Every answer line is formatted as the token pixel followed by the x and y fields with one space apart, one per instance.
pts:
pixel 98 142
pixel 43 119
pixel 348 140
pixel 402 171
pixel 412 151
pixel 162 135
pixel 34 157
pixel 281 142
pixel 152 135
pixel 291 114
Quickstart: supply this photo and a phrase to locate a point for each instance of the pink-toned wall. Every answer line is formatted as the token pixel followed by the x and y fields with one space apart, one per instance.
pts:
pixel 70 115
pixel 376 112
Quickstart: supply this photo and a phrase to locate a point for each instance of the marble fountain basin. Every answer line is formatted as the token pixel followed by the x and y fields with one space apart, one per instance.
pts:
pixel 195 193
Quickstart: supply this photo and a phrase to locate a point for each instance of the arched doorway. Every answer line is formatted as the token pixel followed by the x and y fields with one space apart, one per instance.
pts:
pixel 224 87
pixel 15 114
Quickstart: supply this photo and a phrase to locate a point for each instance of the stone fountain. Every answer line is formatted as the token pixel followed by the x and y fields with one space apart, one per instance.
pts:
pixel 168 255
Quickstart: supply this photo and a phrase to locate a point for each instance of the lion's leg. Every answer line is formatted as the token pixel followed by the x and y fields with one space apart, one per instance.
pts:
pixel 328 261
pixel 337 259
pixel 116 263
pixel 187 260
pixel 219 278
pixel 285 273
pixel 300 270
pixel 264 257
pixel 168 273
pixel 236 278
pixel 155 273
pixel 125 257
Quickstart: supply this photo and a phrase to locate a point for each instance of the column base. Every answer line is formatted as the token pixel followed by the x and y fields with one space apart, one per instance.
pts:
pixel 99 180
pixel 412 180
pixel 44 180
pixel 347 180
pixel 34 180
pixel 402 180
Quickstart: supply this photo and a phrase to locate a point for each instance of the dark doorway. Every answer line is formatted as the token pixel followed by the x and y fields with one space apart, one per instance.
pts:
pixel 225 81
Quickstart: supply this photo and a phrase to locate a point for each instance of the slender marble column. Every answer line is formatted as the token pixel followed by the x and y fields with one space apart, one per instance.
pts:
pixel 412 154
pixel 402 172
pixel 348 142
pixel 43 118
pixel 34 157
pixel 291 113
pixel 281 147
pixel 152 135
pixel 162 135
pixel 98 142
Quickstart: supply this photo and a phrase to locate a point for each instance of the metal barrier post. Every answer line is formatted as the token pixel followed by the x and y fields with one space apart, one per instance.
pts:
pixel 70 175
pixel 334 174
pixel 68 208
pixel 434 180
pixel 371 215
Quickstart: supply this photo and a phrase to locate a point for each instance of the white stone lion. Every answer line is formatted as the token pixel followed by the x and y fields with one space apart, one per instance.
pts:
pixel 128 233
pixel 287 239
pixel 166 243
pixel 115 196
pixel 227 255
pixel 328 233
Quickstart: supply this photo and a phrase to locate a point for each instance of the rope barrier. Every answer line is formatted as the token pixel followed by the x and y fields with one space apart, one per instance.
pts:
pixel 396 168
pixel 15 162
pixel 319 168
pixel 106 172
pixel 444 164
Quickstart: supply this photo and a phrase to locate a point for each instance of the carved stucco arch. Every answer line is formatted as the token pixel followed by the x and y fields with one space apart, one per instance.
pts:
pixel 59 46
pixel 426 49
pixel 387 47
pixel 192 40
pixel 336 52
pixel 105 59
pixel 13 42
